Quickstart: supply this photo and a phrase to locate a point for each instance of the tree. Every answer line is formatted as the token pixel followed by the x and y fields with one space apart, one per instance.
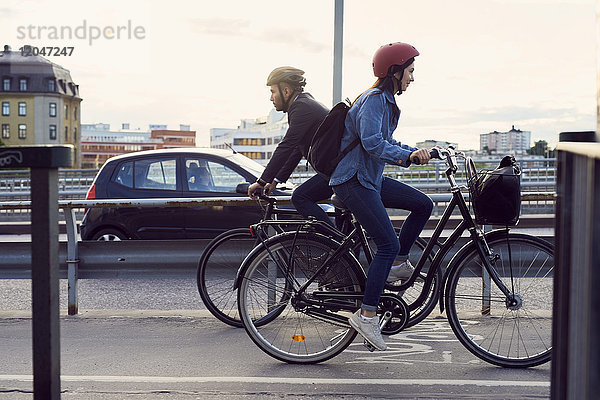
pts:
pixel 539 148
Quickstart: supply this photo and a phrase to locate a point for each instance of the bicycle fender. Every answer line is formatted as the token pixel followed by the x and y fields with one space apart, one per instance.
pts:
pixel 244 266
pixel 460 254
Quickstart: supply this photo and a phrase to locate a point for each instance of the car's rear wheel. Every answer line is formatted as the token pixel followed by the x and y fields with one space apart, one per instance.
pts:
pixel 109 235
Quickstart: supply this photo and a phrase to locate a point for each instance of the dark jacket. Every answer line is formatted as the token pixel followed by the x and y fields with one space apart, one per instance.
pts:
pixel 304 117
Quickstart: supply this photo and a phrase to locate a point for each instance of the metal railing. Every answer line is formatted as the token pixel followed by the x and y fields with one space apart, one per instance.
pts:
pixel 538 175
pixel 69 207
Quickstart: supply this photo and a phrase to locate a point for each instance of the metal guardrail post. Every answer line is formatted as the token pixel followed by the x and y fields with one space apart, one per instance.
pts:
pixel 43 162
pixel 486 299
pixel 72 260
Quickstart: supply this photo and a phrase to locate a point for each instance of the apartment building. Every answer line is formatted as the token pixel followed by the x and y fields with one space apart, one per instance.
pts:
pixel 514 141
pixel 40 102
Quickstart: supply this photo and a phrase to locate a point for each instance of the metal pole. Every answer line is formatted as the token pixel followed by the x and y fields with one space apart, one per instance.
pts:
pixel 338 49
pixel 72 260
pixel 597 70
pixel 45 283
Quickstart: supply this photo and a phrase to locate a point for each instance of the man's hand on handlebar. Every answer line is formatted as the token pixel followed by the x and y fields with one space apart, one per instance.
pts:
pixel 270 187
pixel 255 190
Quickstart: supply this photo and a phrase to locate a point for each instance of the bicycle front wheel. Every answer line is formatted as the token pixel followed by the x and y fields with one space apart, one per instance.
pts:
pixel 509 331
pixel 217 271
pixel 298 327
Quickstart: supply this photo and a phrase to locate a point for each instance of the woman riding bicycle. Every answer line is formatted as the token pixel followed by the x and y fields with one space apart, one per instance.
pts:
pixel 358 180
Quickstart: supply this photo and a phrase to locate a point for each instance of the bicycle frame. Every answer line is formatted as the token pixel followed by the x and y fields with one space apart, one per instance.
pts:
pixel 467 223
pixel 357 237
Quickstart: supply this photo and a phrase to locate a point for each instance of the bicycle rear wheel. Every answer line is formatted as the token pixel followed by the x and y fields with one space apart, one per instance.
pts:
pixel 217 271
pixel 285 324
pixel 510 332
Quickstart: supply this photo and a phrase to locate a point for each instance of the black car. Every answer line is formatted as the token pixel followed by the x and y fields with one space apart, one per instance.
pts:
pixel 171 173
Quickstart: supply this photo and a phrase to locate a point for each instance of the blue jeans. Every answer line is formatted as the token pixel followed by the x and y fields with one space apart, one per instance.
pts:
pixel 369 208
pixel 306 196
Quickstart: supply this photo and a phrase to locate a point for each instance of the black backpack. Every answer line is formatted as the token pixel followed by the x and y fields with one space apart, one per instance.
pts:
pixel 324 153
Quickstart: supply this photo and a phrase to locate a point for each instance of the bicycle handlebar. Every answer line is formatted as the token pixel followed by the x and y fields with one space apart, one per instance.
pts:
pixel 434 153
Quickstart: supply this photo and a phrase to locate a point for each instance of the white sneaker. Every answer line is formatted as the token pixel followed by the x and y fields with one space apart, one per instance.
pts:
pixel 402 271
pixel 368 329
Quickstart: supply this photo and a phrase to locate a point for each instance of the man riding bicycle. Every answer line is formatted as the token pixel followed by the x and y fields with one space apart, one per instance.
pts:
pixel 305 114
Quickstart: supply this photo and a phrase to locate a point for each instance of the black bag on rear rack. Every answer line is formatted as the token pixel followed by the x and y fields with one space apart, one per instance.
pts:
pixel 496 194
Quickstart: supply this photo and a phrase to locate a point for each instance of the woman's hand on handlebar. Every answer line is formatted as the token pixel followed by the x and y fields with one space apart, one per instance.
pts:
pixel 420 156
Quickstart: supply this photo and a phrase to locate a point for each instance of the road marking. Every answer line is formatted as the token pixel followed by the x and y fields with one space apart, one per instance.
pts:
pixel 274 380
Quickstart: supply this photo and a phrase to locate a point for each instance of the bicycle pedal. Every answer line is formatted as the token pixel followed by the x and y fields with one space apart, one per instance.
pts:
pixel 369 346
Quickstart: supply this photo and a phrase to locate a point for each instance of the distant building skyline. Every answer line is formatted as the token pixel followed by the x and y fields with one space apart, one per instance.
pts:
pixel 99 142
pixel 256 138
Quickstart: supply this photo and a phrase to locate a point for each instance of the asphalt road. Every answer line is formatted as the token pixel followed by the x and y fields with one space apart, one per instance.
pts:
pixel 145 337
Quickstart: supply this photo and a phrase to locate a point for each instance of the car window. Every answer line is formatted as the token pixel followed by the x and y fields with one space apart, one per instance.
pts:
pixel 125 174
pixel 204 175
pixel 155 174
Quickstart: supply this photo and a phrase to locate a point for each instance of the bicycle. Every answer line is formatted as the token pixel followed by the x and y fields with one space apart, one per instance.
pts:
pixel 222 257
pixel 297 289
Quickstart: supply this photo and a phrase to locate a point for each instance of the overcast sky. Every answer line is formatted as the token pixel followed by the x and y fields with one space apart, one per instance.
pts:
pixel 485 65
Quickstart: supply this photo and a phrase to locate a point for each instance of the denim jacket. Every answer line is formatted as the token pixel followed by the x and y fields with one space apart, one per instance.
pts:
pixel 373 118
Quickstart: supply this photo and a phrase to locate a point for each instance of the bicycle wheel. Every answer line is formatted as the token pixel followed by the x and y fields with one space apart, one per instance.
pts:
pixel 299 331
pixel 509 332
pixel 217 270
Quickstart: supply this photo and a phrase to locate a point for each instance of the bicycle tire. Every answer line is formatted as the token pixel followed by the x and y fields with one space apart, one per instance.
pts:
pixel 294 334
pixel 508 335
pixel 217 270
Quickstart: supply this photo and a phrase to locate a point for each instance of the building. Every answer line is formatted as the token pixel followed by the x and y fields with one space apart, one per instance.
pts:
pixel 254 138
pixel 40 102
pixel 99 143
pixel 171 139
pixel 430 143
pixel 514 141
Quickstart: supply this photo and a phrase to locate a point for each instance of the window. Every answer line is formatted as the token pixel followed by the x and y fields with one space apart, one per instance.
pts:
pixel 125 175
pixel 53 109
pixel 51 85
pixel 66 133
pixel 249 142
pixel 23 85
pixel 5 131
pixel 6 84
pixel 5 108
pixel 148 174
pixel 22 109
pixel 74 134
pixel 225 179
pixel 22 131
pixel 75 113
pixel 52 132
pixel 66 111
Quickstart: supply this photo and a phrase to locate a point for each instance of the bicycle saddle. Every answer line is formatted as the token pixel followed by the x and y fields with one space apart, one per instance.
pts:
pixel 338 203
